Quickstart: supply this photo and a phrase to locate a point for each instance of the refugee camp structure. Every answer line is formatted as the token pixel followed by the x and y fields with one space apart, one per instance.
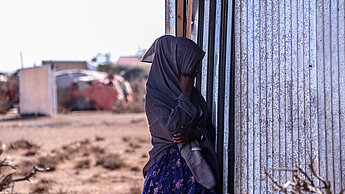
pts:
pixel 3 93
pixel 66 65
pixel 273 78
pixel 37 91
pixel 130 61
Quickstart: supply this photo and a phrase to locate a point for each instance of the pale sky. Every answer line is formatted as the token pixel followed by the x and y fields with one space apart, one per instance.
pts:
pixel 75 29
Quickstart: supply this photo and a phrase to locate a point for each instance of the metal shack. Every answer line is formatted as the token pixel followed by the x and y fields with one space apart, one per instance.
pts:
pixel 37 91
pixel 273 77
pixel 65 65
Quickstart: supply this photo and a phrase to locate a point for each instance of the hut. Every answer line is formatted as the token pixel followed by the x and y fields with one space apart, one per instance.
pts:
pixel 37 91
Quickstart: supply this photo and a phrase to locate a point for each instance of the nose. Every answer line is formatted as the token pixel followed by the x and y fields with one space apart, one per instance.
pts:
pixel 197 68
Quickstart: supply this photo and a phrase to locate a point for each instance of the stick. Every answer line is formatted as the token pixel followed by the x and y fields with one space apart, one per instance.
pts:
pixel 30 174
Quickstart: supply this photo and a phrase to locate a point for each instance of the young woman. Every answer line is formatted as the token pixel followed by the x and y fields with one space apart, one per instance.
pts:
pixel 182 159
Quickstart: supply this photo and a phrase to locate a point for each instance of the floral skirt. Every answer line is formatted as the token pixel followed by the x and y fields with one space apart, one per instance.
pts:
pixel 172 175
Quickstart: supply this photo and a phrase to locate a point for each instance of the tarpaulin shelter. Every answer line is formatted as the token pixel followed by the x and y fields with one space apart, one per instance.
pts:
pixel 85 89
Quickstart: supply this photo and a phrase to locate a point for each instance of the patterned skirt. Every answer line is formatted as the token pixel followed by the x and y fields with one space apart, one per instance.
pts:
pixel 170 174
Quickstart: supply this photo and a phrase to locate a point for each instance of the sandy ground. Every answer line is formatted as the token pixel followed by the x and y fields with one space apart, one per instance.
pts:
pixel 88 152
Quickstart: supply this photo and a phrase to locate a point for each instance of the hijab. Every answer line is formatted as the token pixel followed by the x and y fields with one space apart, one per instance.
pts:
pixel 173 56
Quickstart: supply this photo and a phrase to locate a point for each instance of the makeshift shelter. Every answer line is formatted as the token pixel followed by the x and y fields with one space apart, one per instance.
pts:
pixel 3 93
pixel 66 65
pixel 37 91
pixel 84 90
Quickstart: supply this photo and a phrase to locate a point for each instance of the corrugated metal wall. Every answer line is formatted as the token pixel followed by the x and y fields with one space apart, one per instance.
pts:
pixel 289 90
pixel 274 79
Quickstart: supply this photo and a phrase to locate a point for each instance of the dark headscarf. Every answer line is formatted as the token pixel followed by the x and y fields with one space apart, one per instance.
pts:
pixel 173 56
pixel 167 106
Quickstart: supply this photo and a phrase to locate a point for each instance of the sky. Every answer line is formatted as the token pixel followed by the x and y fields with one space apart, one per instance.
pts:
pixel 75 29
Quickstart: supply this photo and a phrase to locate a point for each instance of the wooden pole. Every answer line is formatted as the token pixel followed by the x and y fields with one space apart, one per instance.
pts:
pixel 179 18
pixel 189 19
pixel 21 59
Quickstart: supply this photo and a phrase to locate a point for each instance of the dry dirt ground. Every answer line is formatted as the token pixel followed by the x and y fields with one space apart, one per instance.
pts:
pixel 87 152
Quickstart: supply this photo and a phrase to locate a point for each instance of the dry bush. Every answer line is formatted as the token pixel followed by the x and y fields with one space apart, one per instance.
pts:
pixel 24 167
pixel 135 169
pixel 97 150
pixel 31 152
pixel 50 162
pixel 111 161
pixel 42 186
pixel 84 142
pixel 135 189
pixel 125 139
pixel 86 154
pixel 302 182
pixel 141 120
pixel 142 140
pixel 99 138
pixel 70 149
pixel 129 150
pixel 130 108
pixel 62 191
pixel 7 179
pixel 76 147
pixel 93 179
pixel 82 164
pixel 22 144
pixel 61 156
pixel 134 145
pixel 136 108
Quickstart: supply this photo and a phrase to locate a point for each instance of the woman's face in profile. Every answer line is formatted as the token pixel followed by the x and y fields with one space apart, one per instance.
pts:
pixel 194 72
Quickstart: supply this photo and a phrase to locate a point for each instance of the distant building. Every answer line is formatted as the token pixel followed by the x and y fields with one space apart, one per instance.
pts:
pixel 37 91
pixel 65 65
pixel 130 60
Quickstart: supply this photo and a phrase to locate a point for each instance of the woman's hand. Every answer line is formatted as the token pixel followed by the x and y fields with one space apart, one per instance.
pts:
pixel 186 84
pixel 187 135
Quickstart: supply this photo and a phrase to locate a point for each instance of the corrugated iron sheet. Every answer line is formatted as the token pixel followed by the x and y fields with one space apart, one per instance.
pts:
pixel 281 64
pixel 289 58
